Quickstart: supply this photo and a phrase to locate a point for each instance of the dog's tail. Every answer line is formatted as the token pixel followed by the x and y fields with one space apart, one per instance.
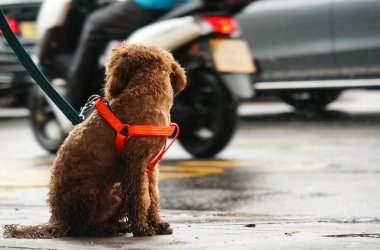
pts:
pixel 44 231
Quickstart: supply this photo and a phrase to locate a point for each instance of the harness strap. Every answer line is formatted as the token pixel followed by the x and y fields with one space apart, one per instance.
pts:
pixel 164 149
pixel 143 130
pixel 135 130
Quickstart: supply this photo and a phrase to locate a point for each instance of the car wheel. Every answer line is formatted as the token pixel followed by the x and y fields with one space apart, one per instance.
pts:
pixel 310 100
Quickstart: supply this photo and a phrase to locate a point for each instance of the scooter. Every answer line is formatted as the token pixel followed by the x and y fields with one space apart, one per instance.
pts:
pixel 202 37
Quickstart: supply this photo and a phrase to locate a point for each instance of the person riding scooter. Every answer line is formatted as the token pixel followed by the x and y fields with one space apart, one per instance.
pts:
pixel 114 22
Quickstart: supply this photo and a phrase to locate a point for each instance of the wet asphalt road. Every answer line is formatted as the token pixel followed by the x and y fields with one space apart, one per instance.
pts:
pixel 287 181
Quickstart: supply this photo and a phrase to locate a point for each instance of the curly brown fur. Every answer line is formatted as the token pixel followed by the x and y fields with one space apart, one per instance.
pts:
pixel 92 188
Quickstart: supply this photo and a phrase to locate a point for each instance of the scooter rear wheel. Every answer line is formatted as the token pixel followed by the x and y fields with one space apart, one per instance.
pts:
pixel 206 113
pixel 46 129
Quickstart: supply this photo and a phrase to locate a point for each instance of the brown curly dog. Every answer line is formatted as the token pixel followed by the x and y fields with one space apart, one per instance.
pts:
pixel 92 188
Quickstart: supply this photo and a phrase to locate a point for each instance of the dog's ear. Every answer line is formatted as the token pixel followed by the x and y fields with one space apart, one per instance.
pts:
pixel 116 76
pixel 113 87
pixel 177 78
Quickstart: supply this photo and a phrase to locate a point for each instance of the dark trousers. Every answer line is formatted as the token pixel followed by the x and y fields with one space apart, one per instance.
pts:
pixel 114 22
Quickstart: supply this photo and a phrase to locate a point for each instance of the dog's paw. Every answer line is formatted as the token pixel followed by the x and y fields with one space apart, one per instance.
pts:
pixel 163 228
pixel 145 231
pixel 123 228
pixel 101 230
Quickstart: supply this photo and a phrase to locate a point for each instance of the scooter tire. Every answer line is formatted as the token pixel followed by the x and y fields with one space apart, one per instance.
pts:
pixel 209 108
pixel 45 126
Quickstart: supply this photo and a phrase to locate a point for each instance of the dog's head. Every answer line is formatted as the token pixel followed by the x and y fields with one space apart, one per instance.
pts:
pixel 137 60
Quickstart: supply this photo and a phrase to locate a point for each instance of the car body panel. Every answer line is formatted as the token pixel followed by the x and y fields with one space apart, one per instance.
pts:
pixel 290 39
pixel 357 37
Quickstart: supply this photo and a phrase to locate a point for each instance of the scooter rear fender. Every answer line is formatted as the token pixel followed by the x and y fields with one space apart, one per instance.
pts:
pixel 171 34
pixel 239 84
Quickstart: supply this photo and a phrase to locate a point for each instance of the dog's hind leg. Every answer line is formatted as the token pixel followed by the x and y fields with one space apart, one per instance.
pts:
pixel 119 215
pixel 83 205
pixel 160 227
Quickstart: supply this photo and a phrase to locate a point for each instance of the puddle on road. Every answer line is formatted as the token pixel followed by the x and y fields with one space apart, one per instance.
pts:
pixel 261 165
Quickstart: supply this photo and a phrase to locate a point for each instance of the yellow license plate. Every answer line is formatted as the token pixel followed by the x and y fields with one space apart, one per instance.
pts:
pixel 28 30
pixel 232 56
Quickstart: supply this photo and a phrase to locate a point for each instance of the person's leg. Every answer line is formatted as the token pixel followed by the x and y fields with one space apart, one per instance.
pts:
pixel 116 21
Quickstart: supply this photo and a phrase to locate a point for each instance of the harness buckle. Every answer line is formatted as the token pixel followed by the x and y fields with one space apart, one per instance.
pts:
pixel 89 105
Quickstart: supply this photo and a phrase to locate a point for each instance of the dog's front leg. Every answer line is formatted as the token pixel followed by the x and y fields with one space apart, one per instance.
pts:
pixel 154 218
pixel 138 199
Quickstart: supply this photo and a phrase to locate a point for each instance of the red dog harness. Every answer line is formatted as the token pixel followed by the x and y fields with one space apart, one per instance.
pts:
pixel 134 130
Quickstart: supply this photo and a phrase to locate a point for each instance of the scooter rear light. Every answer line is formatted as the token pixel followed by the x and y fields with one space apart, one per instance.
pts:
pixel 222 24
pixel 13 24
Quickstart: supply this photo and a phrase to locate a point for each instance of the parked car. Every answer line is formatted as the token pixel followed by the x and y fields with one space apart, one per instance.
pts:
pixel 308 52
pixel 15 83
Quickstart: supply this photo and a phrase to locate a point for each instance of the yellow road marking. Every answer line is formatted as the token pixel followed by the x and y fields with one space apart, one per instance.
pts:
pixel 189 169
pixel 217 163
pixel 171 172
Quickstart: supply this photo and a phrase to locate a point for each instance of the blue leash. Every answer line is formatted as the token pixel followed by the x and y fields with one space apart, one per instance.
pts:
pixel 36 74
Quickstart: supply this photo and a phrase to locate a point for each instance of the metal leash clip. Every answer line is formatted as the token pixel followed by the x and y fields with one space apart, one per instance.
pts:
pixel 88 106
